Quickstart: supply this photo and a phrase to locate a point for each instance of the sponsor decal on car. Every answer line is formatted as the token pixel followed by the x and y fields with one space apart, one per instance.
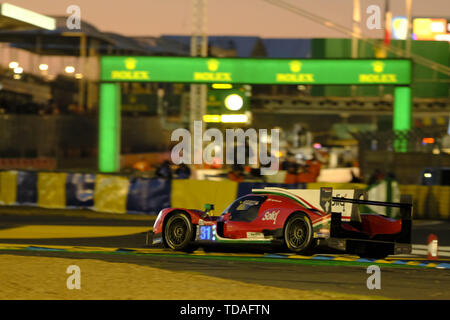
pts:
pixel 271 216
pixel 255 235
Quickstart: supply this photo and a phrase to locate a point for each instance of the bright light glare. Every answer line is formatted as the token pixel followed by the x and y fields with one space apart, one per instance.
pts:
pixel 234 118
pixel 442 37
pixel 427 175
pixel 70 69
pixel 428 140
pixel 234 102
pixel 438 26
pixel 18 70
pixel 211 118
pixel 222 86
pixel 24 15
pixel 43 67
pixel 13 64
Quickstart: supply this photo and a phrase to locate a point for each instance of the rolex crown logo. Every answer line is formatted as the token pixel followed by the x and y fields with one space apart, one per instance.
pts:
pixel 295 66
pixel 130 63
pixel 213 65
pixel 378 66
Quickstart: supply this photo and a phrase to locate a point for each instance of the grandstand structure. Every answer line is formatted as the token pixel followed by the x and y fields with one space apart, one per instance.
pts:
pixel 64 47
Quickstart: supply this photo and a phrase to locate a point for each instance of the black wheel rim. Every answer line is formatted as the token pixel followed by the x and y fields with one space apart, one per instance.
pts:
pixel 297 234
pixel 176 232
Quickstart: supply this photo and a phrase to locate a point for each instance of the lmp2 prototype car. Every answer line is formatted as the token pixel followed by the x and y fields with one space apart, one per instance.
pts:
pixel 297 220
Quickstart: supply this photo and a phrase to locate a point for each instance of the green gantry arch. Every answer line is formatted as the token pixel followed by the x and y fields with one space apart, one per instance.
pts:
pixel 116 69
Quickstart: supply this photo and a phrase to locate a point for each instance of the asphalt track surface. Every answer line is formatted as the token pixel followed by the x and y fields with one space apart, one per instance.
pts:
pixel 397 281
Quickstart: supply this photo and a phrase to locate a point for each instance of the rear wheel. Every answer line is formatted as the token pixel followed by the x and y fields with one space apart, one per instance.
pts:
pixel 179 233
pixel 298 234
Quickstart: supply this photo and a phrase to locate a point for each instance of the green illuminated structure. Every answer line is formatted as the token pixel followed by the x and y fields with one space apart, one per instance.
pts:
pixel 402 115
pixel 255 71
pixel 109 128
pixel 241 71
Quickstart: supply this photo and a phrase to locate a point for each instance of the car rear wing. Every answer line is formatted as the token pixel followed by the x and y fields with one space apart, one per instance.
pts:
pixel 405 206
pixel 315 199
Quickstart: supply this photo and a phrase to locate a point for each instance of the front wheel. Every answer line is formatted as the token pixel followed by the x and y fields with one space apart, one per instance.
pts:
pixel 298 234
pixel 179 232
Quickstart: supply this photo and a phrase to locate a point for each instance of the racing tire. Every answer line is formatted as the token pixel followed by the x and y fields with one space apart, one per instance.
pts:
pixel 298 235
pixel 179 233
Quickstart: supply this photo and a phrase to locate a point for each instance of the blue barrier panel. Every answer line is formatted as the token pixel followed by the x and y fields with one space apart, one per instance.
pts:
pixel 80 190
pixel 246 187
pixel 26 187
pixel 148 196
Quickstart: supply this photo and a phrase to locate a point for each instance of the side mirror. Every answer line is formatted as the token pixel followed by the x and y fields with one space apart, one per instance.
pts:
pixel 208 207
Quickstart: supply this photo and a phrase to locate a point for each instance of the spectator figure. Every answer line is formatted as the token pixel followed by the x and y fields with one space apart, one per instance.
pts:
pixel 183 171
pixel 288 160
pixel 164 171
pixel 376 176
pixel 284 164
pixel 291 174
pixel 236 173
pixel 306 175
pixel 355 179
pixel 384 188
pixel 313 168
pixel 310 171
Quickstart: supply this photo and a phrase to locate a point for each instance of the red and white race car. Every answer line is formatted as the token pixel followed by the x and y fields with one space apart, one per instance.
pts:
pixel 299 220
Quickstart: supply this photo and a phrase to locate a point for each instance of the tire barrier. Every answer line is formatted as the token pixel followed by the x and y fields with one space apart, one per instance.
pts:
pixel 99 192
pixel 124 194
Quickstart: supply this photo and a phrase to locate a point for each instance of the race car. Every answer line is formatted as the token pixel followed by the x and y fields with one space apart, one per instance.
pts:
pixel 297 220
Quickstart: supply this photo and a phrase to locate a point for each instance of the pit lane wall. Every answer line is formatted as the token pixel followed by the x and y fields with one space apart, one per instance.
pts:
pixel 128 194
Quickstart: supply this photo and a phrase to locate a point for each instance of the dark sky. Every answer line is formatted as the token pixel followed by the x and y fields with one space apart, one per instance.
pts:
pixel 225 17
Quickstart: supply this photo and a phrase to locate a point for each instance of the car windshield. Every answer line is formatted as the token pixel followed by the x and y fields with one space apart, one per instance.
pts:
pixel 245 208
